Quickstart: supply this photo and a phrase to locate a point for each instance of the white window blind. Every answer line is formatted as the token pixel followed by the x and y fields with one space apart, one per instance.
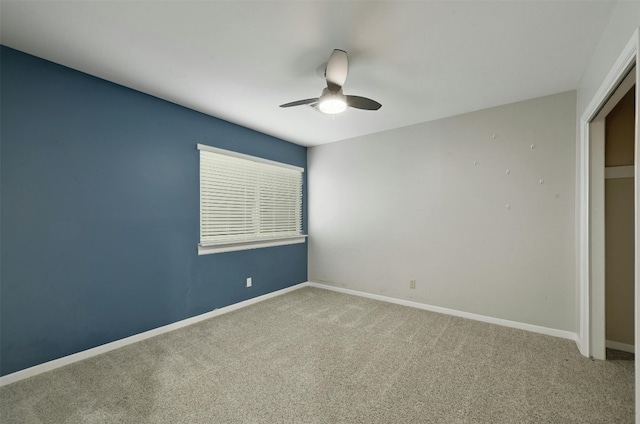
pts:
pixel 245 199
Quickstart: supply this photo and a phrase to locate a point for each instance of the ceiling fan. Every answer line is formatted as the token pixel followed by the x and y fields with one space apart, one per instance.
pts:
pixel 333 100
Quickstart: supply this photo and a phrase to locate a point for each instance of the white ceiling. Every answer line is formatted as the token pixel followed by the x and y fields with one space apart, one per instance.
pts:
pixel 239 60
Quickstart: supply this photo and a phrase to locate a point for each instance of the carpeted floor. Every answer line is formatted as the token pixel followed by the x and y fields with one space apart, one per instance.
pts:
pixel 316 356
pixel 618 355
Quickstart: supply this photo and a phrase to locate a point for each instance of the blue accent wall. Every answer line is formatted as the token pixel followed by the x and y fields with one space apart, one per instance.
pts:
pixel 100 214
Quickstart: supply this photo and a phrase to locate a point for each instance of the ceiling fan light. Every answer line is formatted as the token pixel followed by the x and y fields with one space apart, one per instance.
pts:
pixel 332 105
pixel 332 102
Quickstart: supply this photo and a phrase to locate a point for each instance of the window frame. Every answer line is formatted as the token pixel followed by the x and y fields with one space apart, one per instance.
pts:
pixel 230 246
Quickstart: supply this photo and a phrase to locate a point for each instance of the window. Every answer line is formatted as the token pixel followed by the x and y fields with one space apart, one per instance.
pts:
pixel 247 202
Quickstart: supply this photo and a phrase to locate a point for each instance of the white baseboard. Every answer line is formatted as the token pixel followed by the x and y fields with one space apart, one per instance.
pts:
pixel 57 363
pixel 491 320
pixel 624 347
pixel 85 354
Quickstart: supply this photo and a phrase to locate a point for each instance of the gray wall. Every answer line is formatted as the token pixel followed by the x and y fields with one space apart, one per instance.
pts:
pixel 410 204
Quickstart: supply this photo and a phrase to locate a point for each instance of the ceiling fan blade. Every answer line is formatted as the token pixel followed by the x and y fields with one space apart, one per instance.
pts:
pixel 363 103
pixel 300 102
pixel 337 70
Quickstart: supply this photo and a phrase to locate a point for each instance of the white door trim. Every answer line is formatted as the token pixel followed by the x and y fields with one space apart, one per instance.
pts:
pixel 626 60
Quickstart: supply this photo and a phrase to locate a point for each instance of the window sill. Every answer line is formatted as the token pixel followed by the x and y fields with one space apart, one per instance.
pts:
pixel 246 245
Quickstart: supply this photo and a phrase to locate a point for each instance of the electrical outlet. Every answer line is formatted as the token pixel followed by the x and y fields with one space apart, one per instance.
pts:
pixel 249 282
pixel 412 284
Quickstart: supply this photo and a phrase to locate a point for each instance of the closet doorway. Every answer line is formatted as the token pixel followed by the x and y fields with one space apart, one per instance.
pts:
pixel 619 227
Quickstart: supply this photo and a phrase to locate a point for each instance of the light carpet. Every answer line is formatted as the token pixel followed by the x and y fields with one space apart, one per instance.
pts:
pixel 317 356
